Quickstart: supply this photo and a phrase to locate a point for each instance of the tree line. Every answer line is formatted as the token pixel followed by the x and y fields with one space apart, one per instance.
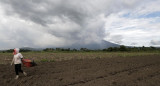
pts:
pixel 11 50
pixel 110 49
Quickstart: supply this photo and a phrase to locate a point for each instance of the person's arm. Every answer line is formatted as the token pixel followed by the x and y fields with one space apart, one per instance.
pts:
pixel 12 61
pixel 21 56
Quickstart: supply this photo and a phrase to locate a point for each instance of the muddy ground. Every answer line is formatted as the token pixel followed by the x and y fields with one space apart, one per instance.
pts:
pixel 119 71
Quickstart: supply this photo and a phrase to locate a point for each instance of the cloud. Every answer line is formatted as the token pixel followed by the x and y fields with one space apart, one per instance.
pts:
pixel 155 42
pixel 114 38
pixel 59 23
pixel 135 26
pixel 72 11
pixel 51 23
pixel 133 44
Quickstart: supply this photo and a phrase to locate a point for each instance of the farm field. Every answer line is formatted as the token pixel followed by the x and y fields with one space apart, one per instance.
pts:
pixel 84 69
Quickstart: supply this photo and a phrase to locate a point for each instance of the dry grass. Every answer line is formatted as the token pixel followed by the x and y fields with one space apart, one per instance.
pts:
pixel 6 58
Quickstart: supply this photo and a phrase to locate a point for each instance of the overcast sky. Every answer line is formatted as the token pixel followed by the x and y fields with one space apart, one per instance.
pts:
pixel 62 23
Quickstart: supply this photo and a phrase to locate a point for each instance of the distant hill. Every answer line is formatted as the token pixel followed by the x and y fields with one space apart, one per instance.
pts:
pixel 32 49
pixel 104 44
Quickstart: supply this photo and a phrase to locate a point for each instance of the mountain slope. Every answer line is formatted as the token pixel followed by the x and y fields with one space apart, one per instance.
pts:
pixel 104 44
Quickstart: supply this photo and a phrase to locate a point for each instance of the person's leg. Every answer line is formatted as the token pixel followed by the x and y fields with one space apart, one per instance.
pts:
pixel 20 70
pixel 16 70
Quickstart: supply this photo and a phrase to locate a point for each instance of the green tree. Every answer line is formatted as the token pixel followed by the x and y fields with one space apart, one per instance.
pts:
pixel 122 48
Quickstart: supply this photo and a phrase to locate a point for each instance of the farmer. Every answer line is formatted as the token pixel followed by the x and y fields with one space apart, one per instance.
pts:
pixel 17 60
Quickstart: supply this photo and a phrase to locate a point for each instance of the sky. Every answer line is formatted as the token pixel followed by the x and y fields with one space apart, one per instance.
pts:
pixel 62 23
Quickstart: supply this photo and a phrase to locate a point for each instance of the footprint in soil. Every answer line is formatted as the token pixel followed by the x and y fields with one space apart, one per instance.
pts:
pixel 113 73
pixel 24 81
pixel 4 76
pixel 31 77
pixel 60 79
pixel 8 81
pixel 132 71
pixel 139 79
pixel 114 83
pixel 73 77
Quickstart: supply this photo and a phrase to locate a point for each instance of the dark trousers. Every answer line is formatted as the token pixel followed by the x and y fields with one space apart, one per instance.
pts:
pixel 18 69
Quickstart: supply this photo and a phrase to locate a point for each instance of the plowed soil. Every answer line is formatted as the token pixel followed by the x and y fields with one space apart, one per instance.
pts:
pixel 118 71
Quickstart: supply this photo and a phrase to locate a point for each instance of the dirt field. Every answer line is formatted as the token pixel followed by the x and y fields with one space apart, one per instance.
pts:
pixel 116 71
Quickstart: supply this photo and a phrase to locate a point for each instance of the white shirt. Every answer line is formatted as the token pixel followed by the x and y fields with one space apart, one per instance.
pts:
pixel 17 58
